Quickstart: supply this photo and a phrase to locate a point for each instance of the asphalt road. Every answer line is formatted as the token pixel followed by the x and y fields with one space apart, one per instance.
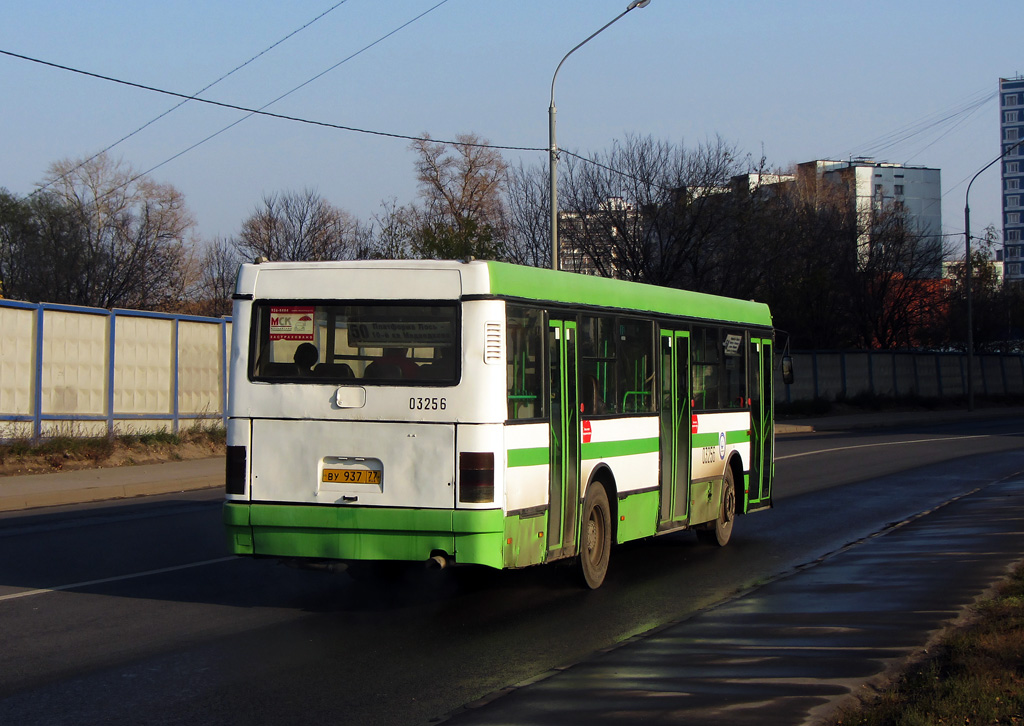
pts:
pixel 131 613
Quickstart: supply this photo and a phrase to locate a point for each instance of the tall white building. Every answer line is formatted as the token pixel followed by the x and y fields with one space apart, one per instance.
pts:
pixel 1011 130
pixel 872 188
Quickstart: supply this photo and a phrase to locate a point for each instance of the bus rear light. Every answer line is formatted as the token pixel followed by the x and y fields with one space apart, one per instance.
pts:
pixel 234 482
pixel 476 477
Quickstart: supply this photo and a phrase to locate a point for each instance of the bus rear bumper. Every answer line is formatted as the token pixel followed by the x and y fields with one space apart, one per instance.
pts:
pixel 349 533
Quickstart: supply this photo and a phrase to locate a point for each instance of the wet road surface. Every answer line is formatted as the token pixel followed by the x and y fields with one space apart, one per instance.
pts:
pixel 154 625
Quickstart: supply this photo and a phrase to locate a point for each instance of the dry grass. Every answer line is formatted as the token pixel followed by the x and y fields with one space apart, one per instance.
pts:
pixel 69 452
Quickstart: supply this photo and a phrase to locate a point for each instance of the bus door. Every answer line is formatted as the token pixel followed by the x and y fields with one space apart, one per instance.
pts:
pixel 675 429
pixel 564 484
pixel 762 431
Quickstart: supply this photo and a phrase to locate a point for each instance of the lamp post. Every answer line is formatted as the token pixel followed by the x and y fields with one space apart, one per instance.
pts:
pixel 967 262
pixel 553 147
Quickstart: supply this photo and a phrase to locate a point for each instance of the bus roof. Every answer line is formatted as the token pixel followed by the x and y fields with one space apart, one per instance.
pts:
pixel 566 287
pixel 497 279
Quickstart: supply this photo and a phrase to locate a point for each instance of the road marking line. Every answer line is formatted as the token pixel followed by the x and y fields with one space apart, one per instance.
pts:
pixel 118 578
pixel 893 443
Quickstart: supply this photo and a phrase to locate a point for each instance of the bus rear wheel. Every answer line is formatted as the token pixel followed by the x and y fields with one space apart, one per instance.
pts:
pixel 719 531
pixel 595 537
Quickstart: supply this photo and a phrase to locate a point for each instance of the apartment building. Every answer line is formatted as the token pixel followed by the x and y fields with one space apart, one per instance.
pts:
pixel 1011 129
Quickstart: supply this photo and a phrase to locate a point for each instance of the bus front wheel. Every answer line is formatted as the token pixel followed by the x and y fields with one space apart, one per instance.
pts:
pixel 719 531
pixel 595 537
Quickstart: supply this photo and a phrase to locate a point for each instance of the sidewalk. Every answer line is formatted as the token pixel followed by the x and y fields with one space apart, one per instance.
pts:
pixel 888 419
pixel 794 650
pixel 94 485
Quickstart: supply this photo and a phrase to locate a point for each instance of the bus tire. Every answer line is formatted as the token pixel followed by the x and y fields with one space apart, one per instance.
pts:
pixel 718 532
pixel 595 536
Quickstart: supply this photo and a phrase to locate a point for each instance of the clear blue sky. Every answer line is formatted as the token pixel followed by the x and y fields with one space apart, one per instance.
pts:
pixel 795 81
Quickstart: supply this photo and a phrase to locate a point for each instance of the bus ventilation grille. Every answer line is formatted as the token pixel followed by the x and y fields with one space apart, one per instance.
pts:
pixel 492 343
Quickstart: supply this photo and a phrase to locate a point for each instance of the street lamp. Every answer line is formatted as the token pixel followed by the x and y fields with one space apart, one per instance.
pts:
pixel 553 147
pixel 967 262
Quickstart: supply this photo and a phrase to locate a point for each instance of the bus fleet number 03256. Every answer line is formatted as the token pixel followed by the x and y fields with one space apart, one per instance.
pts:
pixel 428 404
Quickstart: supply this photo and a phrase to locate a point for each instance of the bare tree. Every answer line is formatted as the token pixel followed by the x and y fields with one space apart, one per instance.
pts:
pixel 651 211
pixel 391 233
pixel 215 282
pixel 997 309
pixel 461 210
pixel 103 235
pixel 527 216
pixel 299 226
pixel 894 293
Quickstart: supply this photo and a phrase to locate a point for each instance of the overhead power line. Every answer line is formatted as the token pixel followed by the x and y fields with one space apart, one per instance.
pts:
pixel 201 90
pixel 947 118
pixel 269 114
pixel 256 111
pixel 305 83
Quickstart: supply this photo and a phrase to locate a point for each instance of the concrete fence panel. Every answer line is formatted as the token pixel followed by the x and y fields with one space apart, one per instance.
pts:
pixel 200 348
pixel 883 374
pixel 926 373
pixel 17 366
pixel 73 387
pixel 858 373
pixel 951 375
pixel 1014 369
pixel 992 375
pixel 832 375
pixel 905 382
pixel 88 371
pixel 144 359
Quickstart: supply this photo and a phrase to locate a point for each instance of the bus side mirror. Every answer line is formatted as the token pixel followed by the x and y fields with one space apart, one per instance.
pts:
pixel 787 370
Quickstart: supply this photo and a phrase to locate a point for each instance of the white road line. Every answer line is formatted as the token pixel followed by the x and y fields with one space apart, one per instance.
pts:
pixel 894 443
pixel 118 578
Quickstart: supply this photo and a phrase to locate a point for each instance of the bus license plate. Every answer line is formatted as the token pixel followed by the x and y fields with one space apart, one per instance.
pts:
pixel 351 476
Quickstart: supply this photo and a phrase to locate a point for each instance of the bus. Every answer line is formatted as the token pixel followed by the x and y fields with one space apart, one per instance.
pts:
pixel 487 413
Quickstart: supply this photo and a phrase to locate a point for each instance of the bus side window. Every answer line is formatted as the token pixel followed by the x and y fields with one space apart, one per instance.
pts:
pixel 598 389
pixel 524 375
pixel 636 365
pixel 706 368
pixel 734 384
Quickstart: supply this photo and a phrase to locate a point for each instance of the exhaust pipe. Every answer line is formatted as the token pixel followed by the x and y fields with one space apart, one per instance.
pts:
pixel 437 562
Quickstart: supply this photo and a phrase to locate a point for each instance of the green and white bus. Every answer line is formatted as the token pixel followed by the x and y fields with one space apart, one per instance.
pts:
pixel 487 413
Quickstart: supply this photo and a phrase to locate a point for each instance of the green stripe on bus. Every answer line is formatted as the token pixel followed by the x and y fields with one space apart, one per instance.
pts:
pixel 528 457
pixel 599 450
pixel 711 439
pixel 737 437
pixel 608 449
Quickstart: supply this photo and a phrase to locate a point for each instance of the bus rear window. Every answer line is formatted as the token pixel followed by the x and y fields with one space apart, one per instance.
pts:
pixel 364 344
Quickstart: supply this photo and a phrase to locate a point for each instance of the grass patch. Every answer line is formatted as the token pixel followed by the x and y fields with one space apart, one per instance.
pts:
pixel 63 451
pixel 59 448
pixel 976 675
pixel 211 430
